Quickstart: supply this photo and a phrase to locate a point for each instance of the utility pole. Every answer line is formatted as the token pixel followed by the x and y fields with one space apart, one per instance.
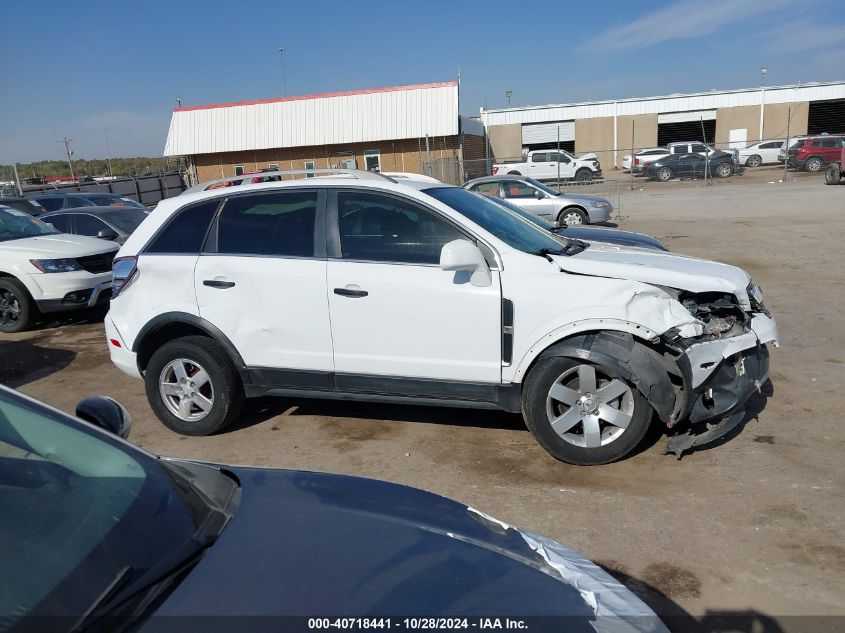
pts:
pixel 108 152
pixel 69 153
pixel 18 180
pixel 509 94
pixel 763 73
pixel 284 82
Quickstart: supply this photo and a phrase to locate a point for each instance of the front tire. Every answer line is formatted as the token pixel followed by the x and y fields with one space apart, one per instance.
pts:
pixel 193 387
pixel 754 161
pixel 17 309
pixel 572 216
pixel 583 175
pixel 814 163
pixel 583 413
pixel 724 170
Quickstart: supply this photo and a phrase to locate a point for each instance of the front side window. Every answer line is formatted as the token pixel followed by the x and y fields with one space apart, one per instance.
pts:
pixel 517 189
pixel 489 188
pixel 829 142
pixel 185 233
pixel 679 149
pixel 61 222
pixel 375 227
pixel 89 225
pixel 280 224
pixel 699 148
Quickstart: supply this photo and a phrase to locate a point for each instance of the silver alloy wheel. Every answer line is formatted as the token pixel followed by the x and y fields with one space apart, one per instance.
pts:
pixel 588 408
pixel 10 308
pixel 664 174
pixel 754 161
pixel 814 164
pixel 572 217
pixel 724 170
pixel 186 389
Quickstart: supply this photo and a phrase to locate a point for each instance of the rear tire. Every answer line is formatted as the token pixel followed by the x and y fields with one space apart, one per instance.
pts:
pixel 572 216
pixel 813 164
pixel 832 176
pixel 17 309
pixel 193 387
pixel 754 161
pixel 664 174
pixel 556 392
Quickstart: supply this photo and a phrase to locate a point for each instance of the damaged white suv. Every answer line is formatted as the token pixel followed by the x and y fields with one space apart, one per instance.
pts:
pixel 357 287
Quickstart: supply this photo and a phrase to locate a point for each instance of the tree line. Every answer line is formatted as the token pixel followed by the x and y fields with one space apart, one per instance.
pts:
pixel 137 166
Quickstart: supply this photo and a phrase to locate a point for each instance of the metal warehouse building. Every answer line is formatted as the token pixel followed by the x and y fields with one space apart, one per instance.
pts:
pixel 729 118
pixel 413 128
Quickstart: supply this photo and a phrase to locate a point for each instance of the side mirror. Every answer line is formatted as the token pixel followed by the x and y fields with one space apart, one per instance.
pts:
pixel 539 194
pixel 107 234
pixel 106 413
pixel 464 256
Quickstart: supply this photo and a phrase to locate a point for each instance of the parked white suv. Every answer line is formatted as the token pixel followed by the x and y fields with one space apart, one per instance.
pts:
pixel 365 288
pixel 43 270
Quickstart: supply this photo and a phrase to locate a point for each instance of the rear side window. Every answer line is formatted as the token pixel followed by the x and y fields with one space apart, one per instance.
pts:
pixel 490 188
pixel 539 157
pixel 280 224
pixel 61 222
pixel 89 225
pixel 73 201
pixel 51 204
pixel 185 233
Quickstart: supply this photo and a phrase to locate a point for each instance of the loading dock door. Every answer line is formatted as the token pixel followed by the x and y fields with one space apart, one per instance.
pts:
pixel 673 127
pixel 738 138
pixel 536 133
pixel 826 117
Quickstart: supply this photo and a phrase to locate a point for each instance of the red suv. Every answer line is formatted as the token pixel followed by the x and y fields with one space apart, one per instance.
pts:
pixel 811 154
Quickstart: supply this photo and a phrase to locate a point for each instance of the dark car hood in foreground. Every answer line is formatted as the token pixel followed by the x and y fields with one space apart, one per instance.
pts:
pixel 612 236
pixel 317 544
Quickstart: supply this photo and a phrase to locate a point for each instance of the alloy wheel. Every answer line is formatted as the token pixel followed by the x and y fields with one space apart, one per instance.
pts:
pixel 10 308
pixel 588 408
pixel 186 389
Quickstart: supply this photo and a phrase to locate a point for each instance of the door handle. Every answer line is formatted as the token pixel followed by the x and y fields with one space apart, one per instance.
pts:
pixel 217 283
pixel 350 292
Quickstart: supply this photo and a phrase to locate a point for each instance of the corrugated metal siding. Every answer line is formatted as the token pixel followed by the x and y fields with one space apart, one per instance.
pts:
pixel 671 103
pixel 694 115
pixel 548 132
pixel 330 120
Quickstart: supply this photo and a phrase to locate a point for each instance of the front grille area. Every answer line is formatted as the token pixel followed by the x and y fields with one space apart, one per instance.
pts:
pixel 100 263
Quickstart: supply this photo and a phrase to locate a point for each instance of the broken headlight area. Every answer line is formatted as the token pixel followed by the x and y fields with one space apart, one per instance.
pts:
pixel 720 313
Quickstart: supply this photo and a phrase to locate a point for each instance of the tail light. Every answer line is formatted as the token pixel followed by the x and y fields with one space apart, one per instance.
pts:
pixel 495 170
pixel 124 270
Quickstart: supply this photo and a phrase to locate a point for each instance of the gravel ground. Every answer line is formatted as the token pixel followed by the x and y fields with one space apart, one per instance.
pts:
pixel 752 526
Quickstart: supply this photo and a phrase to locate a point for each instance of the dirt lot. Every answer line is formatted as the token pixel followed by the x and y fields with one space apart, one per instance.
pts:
pixel 751 526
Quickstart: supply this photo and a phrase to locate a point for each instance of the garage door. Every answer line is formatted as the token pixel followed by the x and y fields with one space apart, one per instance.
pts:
pixel 535 133
pixel 682 117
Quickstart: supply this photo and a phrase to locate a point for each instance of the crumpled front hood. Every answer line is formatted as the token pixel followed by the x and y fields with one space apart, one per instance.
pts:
pixel 658 268
pixel 331 545
pixel 58 246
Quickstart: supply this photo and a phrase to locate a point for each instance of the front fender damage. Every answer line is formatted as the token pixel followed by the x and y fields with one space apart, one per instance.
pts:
pixel 638 364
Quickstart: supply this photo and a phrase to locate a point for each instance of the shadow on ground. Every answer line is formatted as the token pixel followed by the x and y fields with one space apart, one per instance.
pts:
pixel 22 362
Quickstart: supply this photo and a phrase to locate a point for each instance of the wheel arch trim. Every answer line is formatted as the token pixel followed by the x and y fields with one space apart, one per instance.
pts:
pixel 209 329
pixel 631 358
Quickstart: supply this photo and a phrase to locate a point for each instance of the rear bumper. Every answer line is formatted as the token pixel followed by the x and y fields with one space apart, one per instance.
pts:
pixel 121 355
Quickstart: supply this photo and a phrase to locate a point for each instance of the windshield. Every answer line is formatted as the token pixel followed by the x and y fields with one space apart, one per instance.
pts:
pixel 15 225
pixel 81 509
pixel 114 201
pixel 126 220
pixel 512 229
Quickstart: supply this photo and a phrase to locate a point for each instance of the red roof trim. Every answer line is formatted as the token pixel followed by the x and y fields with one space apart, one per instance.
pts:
pixel 347 93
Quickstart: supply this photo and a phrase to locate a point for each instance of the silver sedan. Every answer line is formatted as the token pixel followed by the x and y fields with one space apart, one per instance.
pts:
pixel 535 197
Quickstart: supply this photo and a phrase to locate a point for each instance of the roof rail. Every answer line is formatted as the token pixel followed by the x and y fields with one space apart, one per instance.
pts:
pixel 360 174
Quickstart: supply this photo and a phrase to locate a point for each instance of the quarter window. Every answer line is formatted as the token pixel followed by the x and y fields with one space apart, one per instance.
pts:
pixel 380 228
pixel 517 189
pixel 185 233
pixel 280 224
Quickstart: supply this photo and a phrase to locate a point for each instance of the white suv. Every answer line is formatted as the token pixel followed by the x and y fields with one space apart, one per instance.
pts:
pixel 43 270
pixel 365 288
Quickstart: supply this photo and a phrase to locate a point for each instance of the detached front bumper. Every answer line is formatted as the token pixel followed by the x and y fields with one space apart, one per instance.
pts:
pixel 721 375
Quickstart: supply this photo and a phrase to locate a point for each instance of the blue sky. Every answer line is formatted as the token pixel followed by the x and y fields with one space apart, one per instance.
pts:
pixel 94 69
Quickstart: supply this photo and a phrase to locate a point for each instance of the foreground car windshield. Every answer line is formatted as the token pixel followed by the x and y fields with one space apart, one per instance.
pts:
pixel 15 225
pixel 511 229
pixel 83 514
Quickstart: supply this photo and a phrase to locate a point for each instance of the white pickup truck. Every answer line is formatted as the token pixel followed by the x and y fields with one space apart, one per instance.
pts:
pixel 552 164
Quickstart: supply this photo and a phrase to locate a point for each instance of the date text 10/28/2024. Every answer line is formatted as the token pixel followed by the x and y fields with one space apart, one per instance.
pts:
pixel 420 623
